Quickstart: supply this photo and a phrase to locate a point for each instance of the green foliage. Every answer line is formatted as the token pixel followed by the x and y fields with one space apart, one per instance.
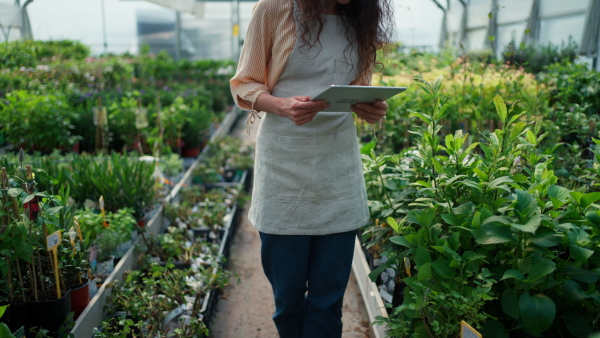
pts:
pixel 493 239
pixel 119 228
pixel 29 53
pixel 472 85
pixel 37 122
pixel 572 84
pixel 535 58
pixel 146 297
pixel 65 89
pixel 125 182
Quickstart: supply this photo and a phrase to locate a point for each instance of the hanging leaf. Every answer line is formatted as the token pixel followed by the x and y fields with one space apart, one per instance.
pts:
pixel 580 254
pixel 576 324
pixel 499 103
pixel 401 241
pixel 545 237
pixel 14 192
pixel 589 198
pixel 437 83
pixel 541 269
pixel 593 217
pixel 422 217
pixel 532 224
pixel 581 275
pixel 573 291
pixel 493 234
pixel 424 117
pixel 526 204
pixel 442 267
pixel 464 209
pixel 422 256
pixel 392 222
pixel 537 312
pixel 510 303
pixel 424 272
pixel 27 198
pixel 513 273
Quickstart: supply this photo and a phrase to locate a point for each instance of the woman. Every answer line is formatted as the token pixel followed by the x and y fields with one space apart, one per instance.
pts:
pixel 309 193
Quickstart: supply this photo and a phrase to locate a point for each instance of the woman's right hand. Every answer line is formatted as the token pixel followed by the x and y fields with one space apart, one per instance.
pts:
pixel 300 109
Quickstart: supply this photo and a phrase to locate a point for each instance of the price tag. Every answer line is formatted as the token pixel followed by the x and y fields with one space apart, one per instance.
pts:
pixel 78 228
pixel 466 331
pixel 141 118
pixel 52 241
pixel 72 235
pixel 100 118
pixel 101 203
pixel 407 266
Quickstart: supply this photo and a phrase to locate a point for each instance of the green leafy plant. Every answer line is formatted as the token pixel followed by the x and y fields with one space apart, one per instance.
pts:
pixel 107 232
pixel 492 238
pixel 146 297
pixel 39 122
pixel 535 58
pixel 124 181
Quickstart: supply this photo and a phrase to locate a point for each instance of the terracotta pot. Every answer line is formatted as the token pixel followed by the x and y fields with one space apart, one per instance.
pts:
pixel 80 298
pixel 190 152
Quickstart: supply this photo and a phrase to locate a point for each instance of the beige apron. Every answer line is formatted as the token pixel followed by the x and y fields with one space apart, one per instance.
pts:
pixel 308 179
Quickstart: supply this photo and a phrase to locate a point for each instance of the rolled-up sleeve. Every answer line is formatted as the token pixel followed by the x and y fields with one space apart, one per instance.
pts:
pixel 251 78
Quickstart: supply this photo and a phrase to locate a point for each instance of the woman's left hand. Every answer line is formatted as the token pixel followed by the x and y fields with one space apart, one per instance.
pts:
pixel 370 112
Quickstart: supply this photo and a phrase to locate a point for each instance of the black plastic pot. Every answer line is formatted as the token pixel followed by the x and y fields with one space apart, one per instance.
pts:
pixel 229 174
pixel 17 316
pixel 398 297
pixel 50 314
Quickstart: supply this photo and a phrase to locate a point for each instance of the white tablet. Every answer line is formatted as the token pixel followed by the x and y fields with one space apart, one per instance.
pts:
pixel 341 97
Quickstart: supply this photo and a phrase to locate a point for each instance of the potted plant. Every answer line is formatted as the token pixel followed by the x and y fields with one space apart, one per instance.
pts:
pixel 194 130
pixel 111 234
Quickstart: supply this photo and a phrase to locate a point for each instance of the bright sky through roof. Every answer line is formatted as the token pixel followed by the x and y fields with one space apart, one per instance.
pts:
pixel 418 21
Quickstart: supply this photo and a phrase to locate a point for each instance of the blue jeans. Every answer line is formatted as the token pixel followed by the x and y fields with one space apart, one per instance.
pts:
pixel 309 275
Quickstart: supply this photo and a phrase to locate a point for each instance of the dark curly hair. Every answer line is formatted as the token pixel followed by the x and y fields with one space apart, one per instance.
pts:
pixel 368 22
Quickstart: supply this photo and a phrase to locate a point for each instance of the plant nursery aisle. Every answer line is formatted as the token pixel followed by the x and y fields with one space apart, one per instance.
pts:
pixel 245 308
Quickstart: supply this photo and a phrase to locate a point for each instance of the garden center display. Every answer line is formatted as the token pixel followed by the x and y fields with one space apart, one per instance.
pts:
pixel 121 193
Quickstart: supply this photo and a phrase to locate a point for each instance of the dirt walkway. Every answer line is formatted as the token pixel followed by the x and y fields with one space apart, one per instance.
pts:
pixel 245 309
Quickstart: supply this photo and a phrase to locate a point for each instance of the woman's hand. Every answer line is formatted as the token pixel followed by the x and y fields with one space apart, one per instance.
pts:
pixel 370 112
pixel 300 109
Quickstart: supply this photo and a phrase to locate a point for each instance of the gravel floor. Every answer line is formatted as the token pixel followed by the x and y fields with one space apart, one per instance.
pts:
pixel 245 308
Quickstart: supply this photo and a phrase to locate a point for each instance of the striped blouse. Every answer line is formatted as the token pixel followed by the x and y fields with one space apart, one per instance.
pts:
pixel 269 42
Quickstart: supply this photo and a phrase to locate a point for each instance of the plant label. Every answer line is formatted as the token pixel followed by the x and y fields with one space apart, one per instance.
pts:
pixel 72 235
pixel 52 241
pixel 100 118
pixel 141 118
pixel 20 333
pixel 386 296
pixel 78 228
pixel 466 331
pixel 172 315
pixel 101 203
pixel 407 266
